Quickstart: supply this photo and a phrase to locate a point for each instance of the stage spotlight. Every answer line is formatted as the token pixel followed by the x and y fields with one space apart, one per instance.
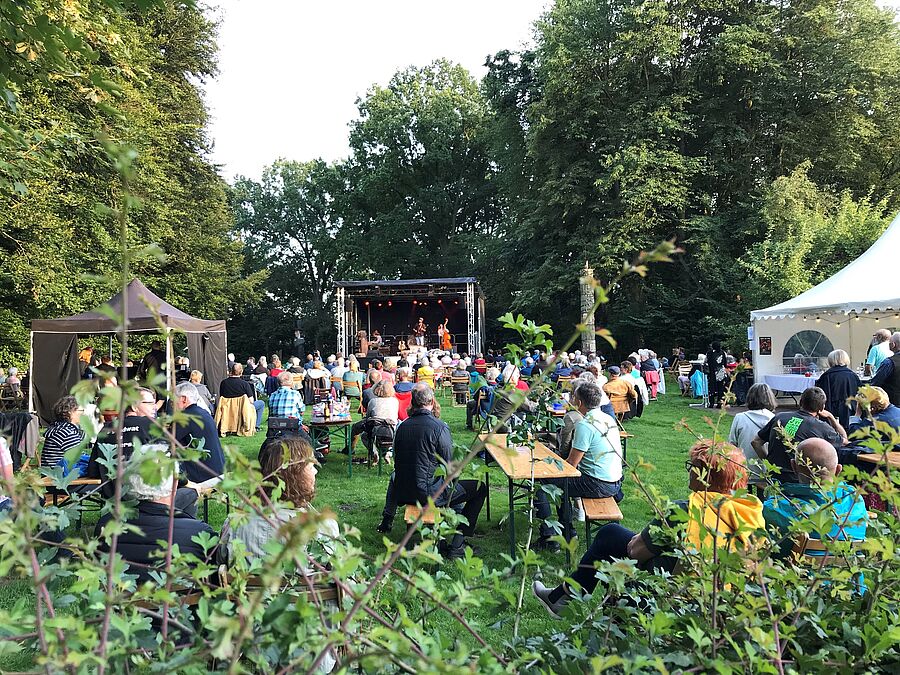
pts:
pixel 367 303
pixel 456 302
pixel 379 304
pixel 440 302
pixel 390 303
pixel 415 302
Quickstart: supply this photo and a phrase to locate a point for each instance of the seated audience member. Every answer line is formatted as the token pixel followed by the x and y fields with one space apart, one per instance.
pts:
pixel 386 375
pixel 510 404
pixel 15 384
pixel 460 387
pixel 373 378
pixel 137 429
pixel 810 421
pixel 286 401
pixel 276 368
pixel 404 381
pixel 296 368
pixel 482 401
pixel 206 398
pixel 234 386
pixel 480 364
pixel 142 543
pixel 262 367
pixel 422 444
pixel 839 384
pixel 318 372
pixel 569 421
pixel 640 386
pixel 492 375
pixel 527 366
pixel 880 410
pixel 714 474
pixel 425 373
pixel 63 435
pixel 352 380
pixel 746 426
pixel 199 431
pixel 381 415
pixel 6 474
pixel 620 391
pixel 597 453
pixel 297 475
pixel 816 466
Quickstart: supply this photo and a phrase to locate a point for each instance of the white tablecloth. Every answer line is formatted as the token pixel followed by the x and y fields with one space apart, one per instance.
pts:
pixel 791 383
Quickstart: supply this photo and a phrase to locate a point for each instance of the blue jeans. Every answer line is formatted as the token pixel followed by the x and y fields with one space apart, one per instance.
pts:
pixel 608 409
pixel 581 486
pixel 610 543
pixel 260 408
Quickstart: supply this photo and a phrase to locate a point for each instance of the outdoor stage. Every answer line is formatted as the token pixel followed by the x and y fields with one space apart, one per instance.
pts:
pixel 393 307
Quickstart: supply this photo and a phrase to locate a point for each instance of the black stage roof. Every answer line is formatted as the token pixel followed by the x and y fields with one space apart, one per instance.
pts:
pixel 405 282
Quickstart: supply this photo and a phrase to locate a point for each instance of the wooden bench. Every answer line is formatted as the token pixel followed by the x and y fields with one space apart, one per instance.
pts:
pixel 601 510
pixel 412 512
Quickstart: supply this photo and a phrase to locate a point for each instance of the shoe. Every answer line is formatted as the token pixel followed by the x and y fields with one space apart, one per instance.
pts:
pixel 454 552
pixel 542 593
pixel 578 511
pixel 385 526
pixel 389 457
pixel 547 545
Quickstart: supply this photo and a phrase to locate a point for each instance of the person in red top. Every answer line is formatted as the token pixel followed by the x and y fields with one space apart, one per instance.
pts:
pixel 480 364
pixel 512 376
pixel 276 369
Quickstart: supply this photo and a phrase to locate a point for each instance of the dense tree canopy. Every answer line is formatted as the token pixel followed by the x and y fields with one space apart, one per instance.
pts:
pixel 147 65
pixel 636 121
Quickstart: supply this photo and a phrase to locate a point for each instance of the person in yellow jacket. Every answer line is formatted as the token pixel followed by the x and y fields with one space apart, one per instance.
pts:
pixel 716 519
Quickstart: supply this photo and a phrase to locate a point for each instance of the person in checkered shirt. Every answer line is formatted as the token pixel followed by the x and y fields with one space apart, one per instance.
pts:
pixel 286 401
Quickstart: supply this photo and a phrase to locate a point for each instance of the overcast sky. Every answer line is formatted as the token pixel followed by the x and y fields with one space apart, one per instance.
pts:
pixel 291 70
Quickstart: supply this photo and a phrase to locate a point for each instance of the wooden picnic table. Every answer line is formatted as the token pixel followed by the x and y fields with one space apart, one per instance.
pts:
pixel 518 465
pixel 893 458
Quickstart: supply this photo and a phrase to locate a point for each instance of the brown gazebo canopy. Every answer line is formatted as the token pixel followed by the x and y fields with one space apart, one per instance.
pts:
pixel 55 367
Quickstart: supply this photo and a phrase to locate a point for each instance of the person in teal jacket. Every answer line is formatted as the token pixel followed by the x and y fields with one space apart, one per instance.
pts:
pixel 816 465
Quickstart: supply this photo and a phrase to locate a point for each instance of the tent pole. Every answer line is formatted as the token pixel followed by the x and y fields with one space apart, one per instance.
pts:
pixel 31 371
pixel 170 371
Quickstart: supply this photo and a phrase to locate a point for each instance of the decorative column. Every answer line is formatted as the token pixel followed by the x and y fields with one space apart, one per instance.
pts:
pixel 588 336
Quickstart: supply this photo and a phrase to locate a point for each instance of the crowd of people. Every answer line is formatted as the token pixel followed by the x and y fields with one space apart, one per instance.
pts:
pixel 802 451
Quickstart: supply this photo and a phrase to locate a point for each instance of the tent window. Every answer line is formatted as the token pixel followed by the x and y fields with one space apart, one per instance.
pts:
pixel 806 350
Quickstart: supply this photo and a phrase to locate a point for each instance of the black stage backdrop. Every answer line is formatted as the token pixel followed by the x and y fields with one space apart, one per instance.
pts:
pixel 394 317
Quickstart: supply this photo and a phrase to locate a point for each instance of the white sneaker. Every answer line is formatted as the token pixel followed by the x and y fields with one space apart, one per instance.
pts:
pixel 578 511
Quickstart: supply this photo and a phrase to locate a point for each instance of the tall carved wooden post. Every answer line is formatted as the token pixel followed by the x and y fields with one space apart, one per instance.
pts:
pixel 588 336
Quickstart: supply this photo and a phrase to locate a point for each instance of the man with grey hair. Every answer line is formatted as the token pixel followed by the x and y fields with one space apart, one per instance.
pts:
pixel 422 444
pixel 888 375
pixel 286 401
pixel 198 431
pixel 140 543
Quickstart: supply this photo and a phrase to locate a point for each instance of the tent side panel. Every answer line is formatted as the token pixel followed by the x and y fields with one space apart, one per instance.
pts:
pixel 208 354
pixel 56 370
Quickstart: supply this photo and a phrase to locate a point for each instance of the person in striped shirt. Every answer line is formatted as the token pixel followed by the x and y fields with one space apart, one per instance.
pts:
pixel 64 434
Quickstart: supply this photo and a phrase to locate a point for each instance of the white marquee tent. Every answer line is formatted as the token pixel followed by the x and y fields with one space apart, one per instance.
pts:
pixel 842 312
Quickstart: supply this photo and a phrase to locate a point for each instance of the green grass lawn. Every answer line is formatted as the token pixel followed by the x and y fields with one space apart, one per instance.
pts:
pixel 658 449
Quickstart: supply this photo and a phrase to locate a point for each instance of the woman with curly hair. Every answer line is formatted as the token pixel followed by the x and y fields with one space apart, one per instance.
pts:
pixel 717 518
pixel 288 463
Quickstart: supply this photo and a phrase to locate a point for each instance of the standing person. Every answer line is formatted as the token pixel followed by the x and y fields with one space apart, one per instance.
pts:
pixel 716 374
pixel 444 336
pixel 747 425
pixel 879 351
pixel 597 453
pixel 422 444
pixel 419 331
pixel 810 421
pixel 155 359
pixel 888 375
pixel 839 384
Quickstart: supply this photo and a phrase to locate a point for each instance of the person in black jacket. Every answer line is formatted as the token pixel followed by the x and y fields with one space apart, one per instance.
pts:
pixel 143 544
pixel 200 427
pixel 839 384
pixel 421 444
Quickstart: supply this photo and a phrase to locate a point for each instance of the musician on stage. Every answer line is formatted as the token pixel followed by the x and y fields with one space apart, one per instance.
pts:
pixel 444 336
pixel 419 331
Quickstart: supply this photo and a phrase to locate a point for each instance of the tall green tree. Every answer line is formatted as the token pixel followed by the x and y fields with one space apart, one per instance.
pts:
pixel 424 198
pixel 51 232
pixel 644 119
pixel 292 227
